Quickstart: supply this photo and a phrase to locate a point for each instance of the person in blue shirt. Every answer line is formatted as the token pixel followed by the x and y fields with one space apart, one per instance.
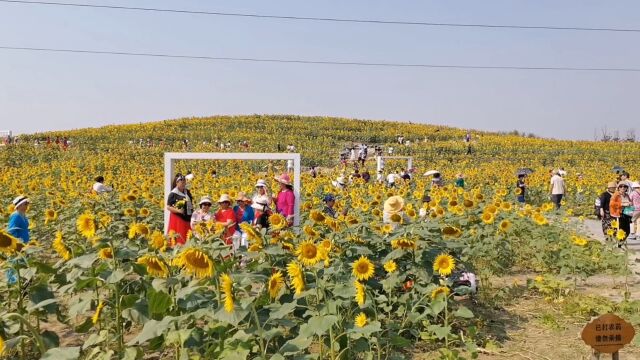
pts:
pixel 18 222
pixel 244 214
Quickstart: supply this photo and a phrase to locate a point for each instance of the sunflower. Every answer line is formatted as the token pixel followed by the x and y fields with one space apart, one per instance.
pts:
pixel 317 216
pixel 105 253
pixel 96 315
pixel 487 218
pixel 579 241
pixel 440 290
pixel 277 221
pixel 276 283
pixel 396 218
pixel 105 219
pixel 360 293
pixel 288 246
pixel 376 212
pixel 351 220
pixel 621 235
pixel 130 197
pixel 506 206
pixel 2 346
pixel 363 268
pixel 386 229
pixel 468 203
pixel 505 225
pixel 60 247
pixel 451 231
pixel 144 212
pixel 390 266
pixel 444 264
pixel 86 224
pixel 133 230
pixel 50 215
pixel 226 286
pixel 130 212
pixel 614 224
pixel 195 262
pixel 253 235
pixel 158 241
pixel 540 219
pixel 310 231
pixel 8 243
pixel 308 253
pixel 296 276
pixel 361 320
pixel 403 243
pixel 155 266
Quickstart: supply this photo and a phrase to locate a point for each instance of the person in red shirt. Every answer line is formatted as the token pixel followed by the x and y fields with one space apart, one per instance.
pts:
pixel 226 217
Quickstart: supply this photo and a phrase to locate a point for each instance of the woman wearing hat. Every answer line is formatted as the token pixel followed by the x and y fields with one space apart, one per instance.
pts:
pixel 18 222
pixel 261 191
pixel 243 214
pixel 605 199
pixel 225 217
pixel 285 199
pixel 619 201
pixel 180 206
pixel 203 214
pixel 262 212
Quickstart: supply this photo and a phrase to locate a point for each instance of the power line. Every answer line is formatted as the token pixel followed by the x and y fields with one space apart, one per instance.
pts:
pixel 319 62
pixel 328 19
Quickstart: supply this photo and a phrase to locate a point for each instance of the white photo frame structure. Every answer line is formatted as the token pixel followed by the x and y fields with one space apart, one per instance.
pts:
pixel 380 161
pixel 170 158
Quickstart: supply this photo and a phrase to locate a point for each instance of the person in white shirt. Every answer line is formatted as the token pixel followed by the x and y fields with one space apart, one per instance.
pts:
pixel 99 187
pixel 391 179
pixel 558 188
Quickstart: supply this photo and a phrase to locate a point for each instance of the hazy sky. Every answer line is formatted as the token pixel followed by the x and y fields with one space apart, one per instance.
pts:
pixel 43 91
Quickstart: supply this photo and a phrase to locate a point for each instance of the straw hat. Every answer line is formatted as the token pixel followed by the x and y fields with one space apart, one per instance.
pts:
pixel 635 185
pixel 261 183
pixel 284 179
pixel 242 197
pixel 204 200
pixel 223 198
pixel 612 184
pixel 394 204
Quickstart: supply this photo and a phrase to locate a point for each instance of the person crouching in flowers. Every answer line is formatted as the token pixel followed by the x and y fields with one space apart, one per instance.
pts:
pixel 180 205
pixel 393 211
pixel 285 199
pixel 244 214
pixel 619 201
pixel 203 214
pixel 225 217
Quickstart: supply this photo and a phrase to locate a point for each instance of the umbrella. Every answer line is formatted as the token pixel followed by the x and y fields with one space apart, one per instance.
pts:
pixel 617 169
pixel 525 171
pixel 431 172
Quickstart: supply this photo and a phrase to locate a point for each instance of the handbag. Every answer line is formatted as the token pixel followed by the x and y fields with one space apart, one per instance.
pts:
pixel 628 210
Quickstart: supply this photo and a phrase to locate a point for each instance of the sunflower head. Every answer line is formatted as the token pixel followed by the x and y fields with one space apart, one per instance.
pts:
pixel 86 225
pixel 155 266
pixel 276 283
pixel 316 216
pixel 403 243
pixel 361 320
pixel 451 231
pixel 195 262
pixel 390 266
pixel 105 253
pixel 277 221
pixel 308 253
pixel 363 268
pixel 505 225
pixel 444 264
pixel 440 291
pixel 144 212
pixel 8 243
pixel 487 217
pixel 158 241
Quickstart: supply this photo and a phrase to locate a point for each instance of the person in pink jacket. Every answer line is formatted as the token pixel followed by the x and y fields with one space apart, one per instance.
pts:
pixel 285 199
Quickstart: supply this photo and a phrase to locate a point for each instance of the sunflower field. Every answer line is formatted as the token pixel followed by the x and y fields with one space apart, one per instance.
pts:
pixel 100 279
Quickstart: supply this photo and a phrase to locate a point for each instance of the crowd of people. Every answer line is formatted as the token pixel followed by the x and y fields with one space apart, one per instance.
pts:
pixel 255 211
